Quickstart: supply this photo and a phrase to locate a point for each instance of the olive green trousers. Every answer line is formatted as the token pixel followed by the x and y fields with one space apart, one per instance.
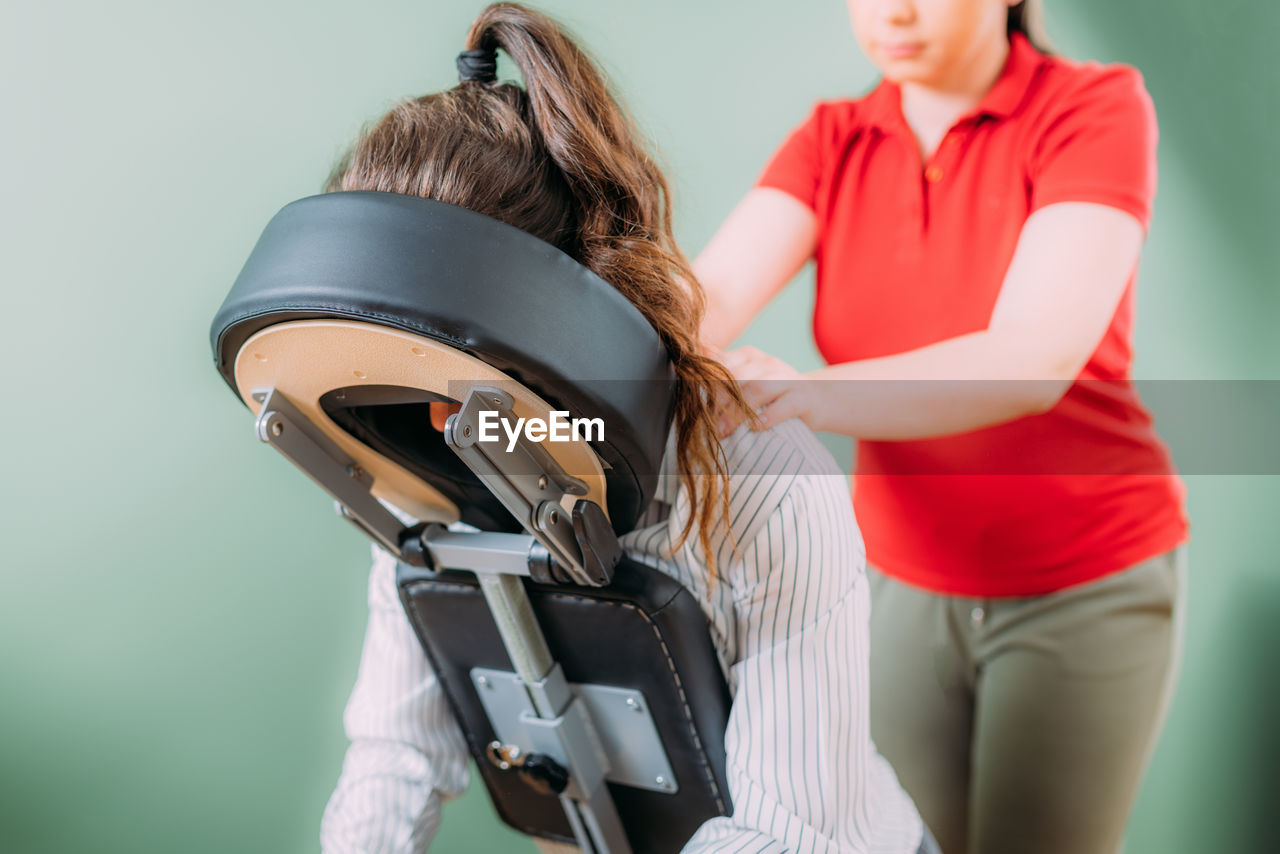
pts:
pixel 1023 725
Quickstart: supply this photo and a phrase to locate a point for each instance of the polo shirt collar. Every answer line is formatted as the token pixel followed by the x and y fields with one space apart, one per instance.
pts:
pixel 884 107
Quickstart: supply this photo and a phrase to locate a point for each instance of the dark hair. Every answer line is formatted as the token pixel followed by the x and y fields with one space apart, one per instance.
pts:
pixel 1027 18
pixel 561 159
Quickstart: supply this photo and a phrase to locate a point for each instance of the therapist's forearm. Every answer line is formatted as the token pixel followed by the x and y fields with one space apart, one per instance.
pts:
pixel 965 383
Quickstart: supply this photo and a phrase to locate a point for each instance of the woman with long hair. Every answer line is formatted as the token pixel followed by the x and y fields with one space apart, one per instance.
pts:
pixel 775 560
pixel 976 221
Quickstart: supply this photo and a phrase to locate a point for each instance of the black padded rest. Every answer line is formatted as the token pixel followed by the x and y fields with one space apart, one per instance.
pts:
pixel 477 284
pixel 644 631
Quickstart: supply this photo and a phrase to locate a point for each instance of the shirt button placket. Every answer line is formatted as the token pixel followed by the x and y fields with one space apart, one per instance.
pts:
pixel 934 173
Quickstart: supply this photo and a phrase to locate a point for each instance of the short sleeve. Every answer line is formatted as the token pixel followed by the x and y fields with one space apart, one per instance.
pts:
pixel 1100 146
pixel 796 167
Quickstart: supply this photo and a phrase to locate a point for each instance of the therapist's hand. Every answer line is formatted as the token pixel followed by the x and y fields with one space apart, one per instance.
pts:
pixel 774 389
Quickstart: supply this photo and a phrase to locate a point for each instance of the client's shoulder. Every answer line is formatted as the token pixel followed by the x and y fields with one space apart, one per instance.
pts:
pixel 784 470
pixel 781 480
pixel 787 449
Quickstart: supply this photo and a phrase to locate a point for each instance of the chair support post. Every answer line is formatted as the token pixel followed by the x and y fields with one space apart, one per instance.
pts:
pixel 563 723
pixel 521 635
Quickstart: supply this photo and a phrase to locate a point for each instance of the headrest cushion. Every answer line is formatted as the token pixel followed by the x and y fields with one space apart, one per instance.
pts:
pixel 476 284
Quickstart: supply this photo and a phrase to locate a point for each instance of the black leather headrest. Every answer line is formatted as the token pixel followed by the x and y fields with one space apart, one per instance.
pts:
pixel 483 287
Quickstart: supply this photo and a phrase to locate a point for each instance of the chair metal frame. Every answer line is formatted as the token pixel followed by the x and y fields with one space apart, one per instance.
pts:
pixel 537 707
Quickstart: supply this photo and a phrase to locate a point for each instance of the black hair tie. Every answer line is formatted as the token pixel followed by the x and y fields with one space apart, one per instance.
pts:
pixel 480 66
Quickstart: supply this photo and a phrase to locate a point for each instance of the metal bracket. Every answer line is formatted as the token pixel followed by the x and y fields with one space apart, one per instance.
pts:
pixel 485 552
pixel 284 428
pixel 526 479
pixel 619 717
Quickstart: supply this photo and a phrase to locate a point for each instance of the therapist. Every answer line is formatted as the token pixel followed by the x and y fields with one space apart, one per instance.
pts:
pixel 977 221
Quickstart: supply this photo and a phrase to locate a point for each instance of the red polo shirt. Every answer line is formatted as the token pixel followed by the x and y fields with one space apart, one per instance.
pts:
pixel 911 253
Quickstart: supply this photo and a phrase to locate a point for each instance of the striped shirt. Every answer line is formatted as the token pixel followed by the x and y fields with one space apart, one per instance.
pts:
pixel 788 613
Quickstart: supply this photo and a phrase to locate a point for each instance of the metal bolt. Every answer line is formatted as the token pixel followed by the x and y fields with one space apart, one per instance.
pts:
pixel 355 471
pixel 482 681
pixel 466 432
pixel 633 705
pixel 542 482
pixel 276 428
pixel 662 781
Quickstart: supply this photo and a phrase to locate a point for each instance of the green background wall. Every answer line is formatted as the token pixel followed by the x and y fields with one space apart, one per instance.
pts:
pixel 180 613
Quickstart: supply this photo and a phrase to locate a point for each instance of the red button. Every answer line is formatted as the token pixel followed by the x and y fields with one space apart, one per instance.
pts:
pixel 933 174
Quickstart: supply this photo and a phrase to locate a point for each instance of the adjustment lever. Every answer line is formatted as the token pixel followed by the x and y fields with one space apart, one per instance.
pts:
pixel 543 774
pixel 599 545
pixel 538 771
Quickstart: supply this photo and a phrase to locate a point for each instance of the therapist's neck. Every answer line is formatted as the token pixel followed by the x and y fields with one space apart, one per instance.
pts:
pixel 931 107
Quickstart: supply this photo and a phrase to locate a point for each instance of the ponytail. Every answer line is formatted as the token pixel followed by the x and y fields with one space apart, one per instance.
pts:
pixel 624 233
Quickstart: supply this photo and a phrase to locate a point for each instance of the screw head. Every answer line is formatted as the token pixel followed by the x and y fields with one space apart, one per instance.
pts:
pixel 276 428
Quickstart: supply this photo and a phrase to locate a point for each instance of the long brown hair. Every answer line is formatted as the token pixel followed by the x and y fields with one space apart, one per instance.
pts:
pixel 562 160
pixel 1027 18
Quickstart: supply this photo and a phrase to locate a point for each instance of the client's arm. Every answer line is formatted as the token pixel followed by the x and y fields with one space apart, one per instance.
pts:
pixel 406 749
pixel 803 773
